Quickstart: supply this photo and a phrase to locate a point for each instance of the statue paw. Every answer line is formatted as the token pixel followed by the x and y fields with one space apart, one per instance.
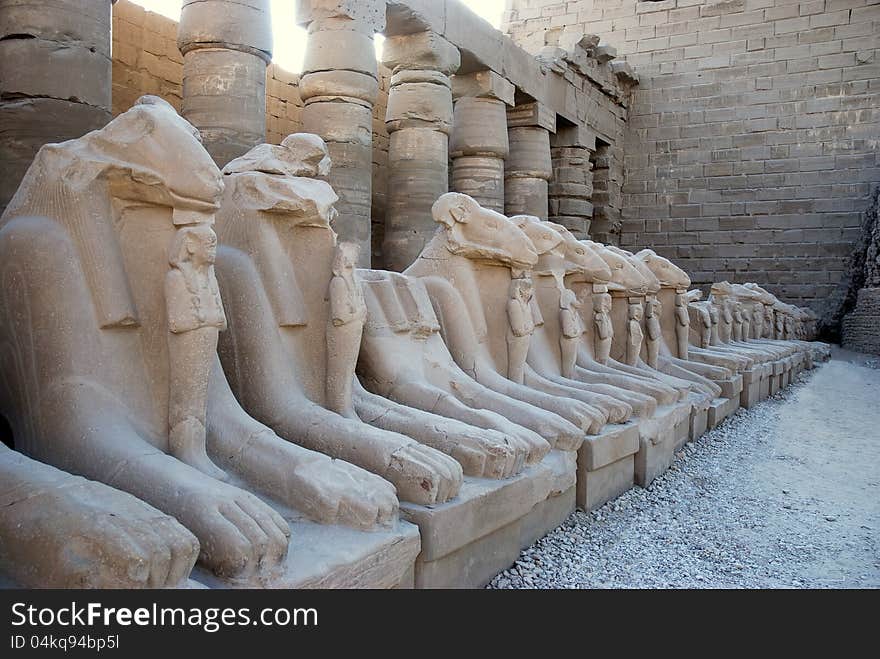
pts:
pixel 239 534
pixel 89 535
pixel 336 492
pixel 424 475
pixel 490 454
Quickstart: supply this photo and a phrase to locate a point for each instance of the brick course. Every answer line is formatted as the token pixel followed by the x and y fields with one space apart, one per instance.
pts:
pixel 751 148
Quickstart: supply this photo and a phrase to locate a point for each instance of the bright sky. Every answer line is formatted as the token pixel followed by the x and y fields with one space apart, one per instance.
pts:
pixel 290 40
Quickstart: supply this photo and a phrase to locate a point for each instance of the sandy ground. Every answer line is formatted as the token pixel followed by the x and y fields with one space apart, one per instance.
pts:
pixel 785 495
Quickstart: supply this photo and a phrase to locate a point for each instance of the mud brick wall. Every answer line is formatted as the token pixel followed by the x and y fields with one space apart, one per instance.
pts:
pixel 751 145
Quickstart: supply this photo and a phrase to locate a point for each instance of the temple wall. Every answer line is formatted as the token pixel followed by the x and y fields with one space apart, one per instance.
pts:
pixel 751 148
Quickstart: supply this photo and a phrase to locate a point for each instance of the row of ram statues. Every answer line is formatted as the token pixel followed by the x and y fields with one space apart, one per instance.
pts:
pixel 242 406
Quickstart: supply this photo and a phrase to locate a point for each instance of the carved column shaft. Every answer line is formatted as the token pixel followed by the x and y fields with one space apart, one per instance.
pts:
pixel 226 46
pixel 571 185
pixel 55 78
pixel 529 165
pixel 479 143
pixel 339 86
pixel 419 120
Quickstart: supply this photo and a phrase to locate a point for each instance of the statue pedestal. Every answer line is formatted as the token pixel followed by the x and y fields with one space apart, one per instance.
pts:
pixel 481 532
pixel 751 391
pixel 329 556
pixel 699 422
pixel 659 436
pixel 606 465
pixel 721 408
pixel 765 382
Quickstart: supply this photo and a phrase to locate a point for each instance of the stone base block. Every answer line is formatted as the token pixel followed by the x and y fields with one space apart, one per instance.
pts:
pixel 653 458
pixel 766 378
pixel 322 556
pixel 731 388
pixel 774 384
pixel 682 431
pixel 657 441
pixel 699 423
pixel 598 487
pixel 721 408
pixel 467 541
pixel 605 467
pixel 751 391
pixel 475 565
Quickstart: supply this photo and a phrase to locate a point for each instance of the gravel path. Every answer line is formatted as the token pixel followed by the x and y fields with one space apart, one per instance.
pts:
pixel 785 495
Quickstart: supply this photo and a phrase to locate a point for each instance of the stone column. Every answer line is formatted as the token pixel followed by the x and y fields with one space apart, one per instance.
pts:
pixel 226 45
pixel 571 185
pixel 339 86
pixel 418 119
pixel 55 78
pixel 529 166
pixel 479 143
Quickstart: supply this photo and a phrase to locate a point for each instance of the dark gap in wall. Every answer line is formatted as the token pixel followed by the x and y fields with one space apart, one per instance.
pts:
pixel 6 432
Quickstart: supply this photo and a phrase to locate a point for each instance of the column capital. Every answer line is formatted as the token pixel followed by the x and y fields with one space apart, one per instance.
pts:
pixel 425 51
pixel 483 84
pixel 534 114
pixel 370 14
pixel 226 24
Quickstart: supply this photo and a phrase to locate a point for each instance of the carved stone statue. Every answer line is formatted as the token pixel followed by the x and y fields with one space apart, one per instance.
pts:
pixel 345 325
pixel 412 385
pixel 467 269
pixel 519 315
pixel 275 269
pixel 653 311
pixel 63 531
pixel 572 330
pixel 604 327
pixel 682 325
pixel 96 330
pixel 195 318
pixel 634 335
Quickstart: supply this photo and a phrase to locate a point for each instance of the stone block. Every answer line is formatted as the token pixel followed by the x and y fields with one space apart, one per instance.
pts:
pixel 532 115
pixel 483 84
pixel 423 50
pixel 370 14
pixel 469 539
pixel 596 488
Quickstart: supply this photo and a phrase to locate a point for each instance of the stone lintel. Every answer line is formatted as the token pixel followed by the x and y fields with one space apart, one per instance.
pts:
pixel 421 51
pixel 483 84
pixel 573 136
pixel 532 114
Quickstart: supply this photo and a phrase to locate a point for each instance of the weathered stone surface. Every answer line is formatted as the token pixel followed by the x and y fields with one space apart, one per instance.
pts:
pixel 421 51
pixel 483 84
pixel 368 13
pixel 224 96
pixel 227 24
pixel 55 74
